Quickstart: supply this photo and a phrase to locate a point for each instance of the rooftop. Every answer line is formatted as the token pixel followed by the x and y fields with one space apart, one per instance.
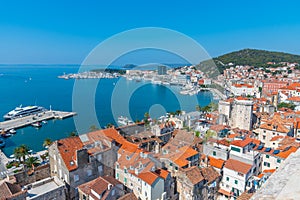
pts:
pixel 43 186
pixel 237 166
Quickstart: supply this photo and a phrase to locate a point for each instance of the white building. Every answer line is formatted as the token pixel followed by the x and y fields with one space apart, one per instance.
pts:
pixel 235 179
pixel 242 89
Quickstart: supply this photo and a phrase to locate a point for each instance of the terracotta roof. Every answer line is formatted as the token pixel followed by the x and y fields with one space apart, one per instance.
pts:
pixel 273 125
pixel 193 174
pixel 241 143
pixel 285 154
pixel 162 173
pixel 209 174
pixel 242 85
pixel 237 166
pixel 297 99
pixel 277 137
pixel 269 170
pixel 245 196
pixel 218 163
pixel 224 192
pixel 129 196
pixel 185 153
pixel 98 185
pixel 67 148
pixel 148 177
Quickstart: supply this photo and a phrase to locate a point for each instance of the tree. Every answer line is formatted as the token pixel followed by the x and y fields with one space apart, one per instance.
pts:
pixel 47 142
pixel 32 161
pixel 73 134
pixel 286 105
pixel 198 108
pixel 178 112
pixel 146 118
pixel 109 125
pixel 93 128
pixel 21 152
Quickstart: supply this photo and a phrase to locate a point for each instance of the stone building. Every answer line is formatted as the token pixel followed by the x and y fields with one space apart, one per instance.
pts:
pixel 238 113
pixel 104 188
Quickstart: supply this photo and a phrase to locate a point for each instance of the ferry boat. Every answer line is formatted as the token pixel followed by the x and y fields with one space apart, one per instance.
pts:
pixel 23 111
pixel 124 121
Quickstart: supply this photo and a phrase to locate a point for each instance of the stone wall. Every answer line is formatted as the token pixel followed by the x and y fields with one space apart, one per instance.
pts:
pixel 24 178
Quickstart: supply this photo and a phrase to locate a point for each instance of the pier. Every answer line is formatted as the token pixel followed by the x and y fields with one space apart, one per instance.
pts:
pixel 30 119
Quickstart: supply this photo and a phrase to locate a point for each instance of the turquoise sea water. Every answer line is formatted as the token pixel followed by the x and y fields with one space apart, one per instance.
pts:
pixel 39 85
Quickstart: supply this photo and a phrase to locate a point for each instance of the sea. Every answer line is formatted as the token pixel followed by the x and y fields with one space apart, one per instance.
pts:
pixel 39 85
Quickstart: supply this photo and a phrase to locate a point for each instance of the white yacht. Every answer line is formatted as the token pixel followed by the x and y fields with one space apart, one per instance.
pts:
pixel 23 111
pixel 124 121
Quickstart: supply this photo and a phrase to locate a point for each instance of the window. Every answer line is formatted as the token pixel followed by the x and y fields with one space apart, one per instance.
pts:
pixel 89 172
pixel 214 153
pixel 267 164
pixel 125 180
pixel 227 178
pixel 145 193
pixel 125 171
pixel 117 175
pixel 176 168
pixel 236 149
pixel 264 137
pixel 171 164
pixel 278 160
pixel 76 178
pixel 236 182
pixel 117 166
pixel 267 156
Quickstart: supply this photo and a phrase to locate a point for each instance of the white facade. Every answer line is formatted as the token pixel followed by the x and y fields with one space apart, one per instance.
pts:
pixel 238 90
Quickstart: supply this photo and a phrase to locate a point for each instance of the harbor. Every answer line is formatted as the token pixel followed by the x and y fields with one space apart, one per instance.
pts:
pixel 33 119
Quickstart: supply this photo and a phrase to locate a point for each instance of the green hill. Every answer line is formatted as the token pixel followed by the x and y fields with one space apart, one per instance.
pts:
pixel 254 57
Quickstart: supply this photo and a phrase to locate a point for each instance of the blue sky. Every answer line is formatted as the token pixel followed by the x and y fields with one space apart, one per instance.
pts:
pixel 52 32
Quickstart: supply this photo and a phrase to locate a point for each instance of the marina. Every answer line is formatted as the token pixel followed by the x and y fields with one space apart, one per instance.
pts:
pixel 33 120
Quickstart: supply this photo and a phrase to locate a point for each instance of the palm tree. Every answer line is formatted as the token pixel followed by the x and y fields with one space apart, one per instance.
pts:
pixel 32 162
pixel 178 112
pixel 47 142
pixel 21 152
pixel 17 153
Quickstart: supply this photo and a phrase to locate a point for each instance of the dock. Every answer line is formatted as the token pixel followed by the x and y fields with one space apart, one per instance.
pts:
pixel 28 120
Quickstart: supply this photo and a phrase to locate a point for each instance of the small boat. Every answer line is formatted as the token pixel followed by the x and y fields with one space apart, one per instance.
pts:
pixel 36 124
pixel 2 143
pixel 12 131
pixel 12 156
pixel 44 122
pixel 6 135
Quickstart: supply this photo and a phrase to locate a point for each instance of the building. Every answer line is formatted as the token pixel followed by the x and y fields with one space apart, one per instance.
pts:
pixel 236 175
pixel 238 113
pixel 162 70
pixel 49 188
pixel 72 163
pixel 195 183
pixel 101 188
pixel 136 168
pixel 11 191
pixel 241 114
pixel 242 89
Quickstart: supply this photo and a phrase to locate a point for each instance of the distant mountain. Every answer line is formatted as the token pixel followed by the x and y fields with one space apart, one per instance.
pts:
pixel 254 57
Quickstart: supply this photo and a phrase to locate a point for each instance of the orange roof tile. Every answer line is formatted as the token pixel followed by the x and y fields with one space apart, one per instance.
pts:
pixel 67 148
pixel 285 154
pixel 275 138
pixel 224 192
pixel 237 166
pixel 218 163
pixel 241 143
pixel 148 177
pixel 162 173
pixel 269 170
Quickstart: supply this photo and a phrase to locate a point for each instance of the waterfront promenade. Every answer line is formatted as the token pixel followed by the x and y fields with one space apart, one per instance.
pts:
pixel 30 119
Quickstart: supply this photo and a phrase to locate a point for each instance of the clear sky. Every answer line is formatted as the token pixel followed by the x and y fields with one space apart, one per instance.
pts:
pixel 58 31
